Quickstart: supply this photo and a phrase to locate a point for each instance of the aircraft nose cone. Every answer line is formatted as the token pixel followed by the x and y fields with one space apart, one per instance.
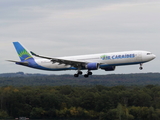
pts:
pixel 154 56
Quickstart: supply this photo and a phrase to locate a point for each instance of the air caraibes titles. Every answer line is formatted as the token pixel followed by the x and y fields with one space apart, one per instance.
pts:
pixel 107 57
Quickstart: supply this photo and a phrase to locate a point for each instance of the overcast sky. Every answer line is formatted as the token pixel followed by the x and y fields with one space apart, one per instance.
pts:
pixel 75 27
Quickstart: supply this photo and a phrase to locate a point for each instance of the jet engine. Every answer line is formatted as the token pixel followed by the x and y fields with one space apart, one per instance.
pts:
pixel 110 68
pixel 92 66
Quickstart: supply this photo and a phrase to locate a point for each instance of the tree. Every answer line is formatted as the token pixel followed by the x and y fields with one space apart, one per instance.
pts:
pixel 37 113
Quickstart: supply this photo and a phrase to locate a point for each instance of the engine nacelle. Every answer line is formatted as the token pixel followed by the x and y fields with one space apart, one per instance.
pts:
pixel 92 66
pixel 110 68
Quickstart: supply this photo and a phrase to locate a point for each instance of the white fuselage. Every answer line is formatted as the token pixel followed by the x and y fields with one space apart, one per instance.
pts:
pixel 104 60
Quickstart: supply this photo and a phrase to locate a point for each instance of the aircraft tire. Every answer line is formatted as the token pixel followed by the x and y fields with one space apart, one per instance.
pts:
pixel 86 75
pixel 80 72
pixel 89 73
pixel 140 68
pixel 76 75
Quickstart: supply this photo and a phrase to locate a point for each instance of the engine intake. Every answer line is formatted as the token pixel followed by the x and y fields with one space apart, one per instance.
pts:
pixel 92 66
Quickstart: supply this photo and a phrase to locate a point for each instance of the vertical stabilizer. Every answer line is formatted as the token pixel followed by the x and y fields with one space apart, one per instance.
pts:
pixel 22 52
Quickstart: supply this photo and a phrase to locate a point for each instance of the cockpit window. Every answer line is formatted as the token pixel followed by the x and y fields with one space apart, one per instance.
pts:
pixel 149 53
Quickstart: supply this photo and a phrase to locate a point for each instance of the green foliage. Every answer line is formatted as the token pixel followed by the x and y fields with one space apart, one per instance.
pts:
pixel 98 102
pixel 21 79
pixel 37 113
pixel 3 114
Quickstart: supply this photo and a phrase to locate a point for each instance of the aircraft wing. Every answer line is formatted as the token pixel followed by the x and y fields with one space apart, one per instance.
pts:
pixel 74 63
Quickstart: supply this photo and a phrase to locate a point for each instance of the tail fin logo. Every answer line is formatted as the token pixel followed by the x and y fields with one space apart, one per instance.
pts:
pixel 24 55
pixel 22 52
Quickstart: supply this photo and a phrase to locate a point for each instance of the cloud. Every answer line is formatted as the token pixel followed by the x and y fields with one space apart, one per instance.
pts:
pixel 64 28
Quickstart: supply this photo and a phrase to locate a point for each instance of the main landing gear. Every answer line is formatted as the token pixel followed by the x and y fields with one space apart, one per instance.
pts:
pixel 141 66
pixel 88 73
pixel 80 73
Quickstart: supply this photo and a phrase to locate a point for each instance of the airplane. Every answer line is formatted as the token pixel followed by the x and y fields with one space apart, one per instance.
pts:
pixel 104 61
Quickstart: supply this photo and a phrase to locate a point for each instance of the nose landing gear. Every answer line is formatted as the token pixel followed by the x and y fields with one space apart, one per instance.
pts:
pixel 141 66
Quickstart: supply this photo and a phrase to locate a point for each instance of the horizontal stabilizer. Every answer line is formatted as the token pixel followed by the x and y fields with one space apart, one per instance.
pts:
pixel 17 62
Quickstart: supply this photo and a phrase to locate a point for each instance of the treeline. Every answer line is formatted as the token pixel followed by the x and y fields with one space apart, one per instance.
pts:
pixel 21 79
pixel 67 102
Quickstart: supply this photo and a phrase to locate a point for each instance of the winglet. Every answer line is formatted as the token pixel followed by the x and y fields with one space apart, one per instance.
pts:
pixel 33 53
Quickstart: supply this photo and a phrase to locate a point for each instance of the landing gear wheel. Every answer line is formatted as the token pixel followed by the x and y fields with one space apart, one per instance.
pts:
pixel 140 68
pixel 80 72
pixel 86 75
pixel 76 75
pixel 89 73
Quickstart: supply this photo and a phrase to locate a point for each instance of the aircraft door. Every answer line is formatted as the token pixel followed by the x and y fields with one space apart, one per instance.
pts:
pixel 139 57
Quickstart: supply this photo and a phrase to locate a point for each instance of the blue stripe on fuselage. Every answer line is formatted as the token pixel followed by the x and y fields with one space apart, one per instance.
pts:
pixel 33 64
